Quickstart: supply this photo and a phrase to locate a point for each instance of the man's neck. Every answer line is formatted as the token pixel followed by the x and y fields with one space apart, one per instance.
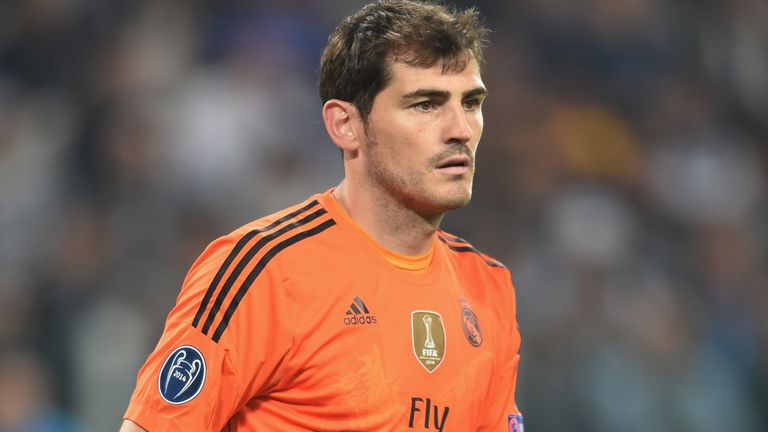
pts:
pixel 389 223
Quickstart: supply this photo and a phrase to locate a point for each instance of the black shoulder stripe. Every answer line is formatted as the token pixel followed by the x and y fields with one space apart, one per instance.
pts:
pixel 238 270
pixel 452 238
pixel 235 251
pixel 259 267
pixel 471 249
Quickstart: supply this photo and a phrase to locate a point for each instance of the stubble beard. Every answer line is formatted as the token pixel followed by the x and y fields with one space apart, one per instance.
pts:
pixel 410 188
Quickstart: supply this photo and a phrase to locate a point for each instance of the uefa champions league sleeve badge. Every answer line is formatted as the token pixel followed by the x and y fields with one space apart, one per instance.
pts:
pixel 182 375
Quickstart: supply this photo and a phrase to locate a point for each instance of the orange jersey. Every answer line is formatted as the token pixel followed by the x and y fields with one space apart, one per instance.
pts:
pixel 300 322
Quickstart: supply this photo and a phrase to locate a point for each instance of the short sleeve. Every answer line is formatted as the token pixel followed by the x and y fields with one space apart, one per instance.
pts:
pixel 502 412
pixel 221 345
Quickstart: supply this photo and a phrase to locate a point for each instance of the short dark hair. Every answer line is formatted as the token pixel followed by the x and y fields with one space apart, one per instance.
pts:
pixel 354 65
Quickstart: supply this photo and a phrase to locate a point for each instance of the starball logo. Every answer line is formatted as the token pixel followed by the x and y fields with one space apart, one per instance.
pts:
pixel 182 376
pixel 358 314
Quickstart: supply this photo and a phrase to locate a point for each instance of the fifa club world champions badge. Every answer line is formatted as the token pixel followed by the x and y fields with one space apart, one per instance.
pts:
pixel 182 375
pixel 428 336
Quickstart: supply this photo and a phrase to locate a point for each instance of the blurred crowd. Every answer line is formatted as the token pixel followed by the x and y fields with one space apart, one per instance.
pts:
pixel 622 177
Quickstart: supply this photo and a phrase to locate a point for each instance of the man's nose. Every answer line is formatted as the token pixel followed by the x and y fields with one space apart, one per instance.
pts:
pixel 458 127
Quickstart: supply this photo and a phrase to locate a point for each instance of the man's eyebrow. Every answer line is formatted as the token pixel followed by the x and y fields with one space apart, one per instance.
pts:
pixel 443 94
pixel 475 92
pixel 431 93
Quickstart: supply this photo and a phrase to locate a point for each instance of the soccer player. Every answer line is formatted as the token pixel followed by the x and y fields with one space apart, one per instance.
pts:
pixel 353 311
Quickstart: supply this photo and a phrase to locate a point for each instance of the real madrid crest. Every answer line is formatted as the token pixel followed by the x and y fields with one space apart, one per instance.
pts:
pixel 428 336
pixel 471 326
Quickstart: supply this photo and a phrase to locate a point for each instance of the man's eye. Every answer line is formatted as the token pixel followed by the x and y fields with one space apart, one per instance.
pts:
pixel 425 106
pixel 471 104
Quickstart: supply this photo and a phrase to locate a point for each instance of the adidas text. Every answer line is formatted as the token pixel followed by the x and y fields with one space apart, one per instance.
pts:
pixel 360 320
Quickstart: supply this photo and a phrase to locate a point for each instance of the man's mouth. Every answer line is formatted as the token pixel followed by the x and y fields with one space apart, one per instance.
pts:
pixel 455 165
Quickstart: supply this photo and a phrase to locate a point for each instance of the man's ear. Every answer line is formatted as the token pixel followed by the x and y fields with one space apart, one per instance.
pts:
pixel 342 121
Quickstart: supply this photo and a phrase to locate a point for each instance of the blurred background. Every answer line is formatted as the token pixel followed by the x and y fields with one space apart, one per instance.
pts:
pixel 621 177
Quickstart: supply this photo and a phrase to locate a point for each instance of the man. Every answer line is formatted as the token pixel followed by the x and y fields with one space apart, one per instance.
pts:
pixel 352 310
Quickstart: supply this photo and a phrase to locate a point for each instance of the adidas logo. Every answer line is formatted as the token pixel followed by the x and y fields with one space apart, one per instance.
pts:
pixel 358 313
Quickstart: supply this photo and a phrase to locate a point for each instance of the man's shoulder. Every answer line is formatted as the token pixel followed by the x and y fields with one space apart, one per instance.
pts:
pixel 295 216
pixel 464 252
pixel 292 227
pixel 221 278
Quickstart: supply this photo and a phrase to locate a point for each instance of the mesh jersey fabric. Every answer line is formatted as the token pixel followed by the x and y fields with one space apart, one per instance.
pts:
pixel 303 323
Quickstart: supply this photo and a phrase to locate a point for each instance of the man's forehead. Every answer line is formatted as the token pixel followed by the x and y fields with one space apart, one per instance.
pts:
pixel 408 78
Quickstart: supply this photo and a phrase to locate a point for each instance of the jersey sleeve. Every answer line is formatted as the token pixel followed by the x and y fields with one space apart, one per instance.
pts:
pixel 502 413
pixel 219 349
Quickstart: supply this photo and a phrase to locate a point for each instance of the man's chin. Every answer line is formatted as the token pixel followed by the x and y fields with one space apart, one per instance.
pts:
pixel 459 203
pixel 455 200
pixel 438 202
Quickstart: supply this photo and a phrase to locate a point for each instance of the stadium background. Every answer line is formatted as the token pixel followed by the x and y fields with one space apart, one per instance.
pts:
pixel 622 177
